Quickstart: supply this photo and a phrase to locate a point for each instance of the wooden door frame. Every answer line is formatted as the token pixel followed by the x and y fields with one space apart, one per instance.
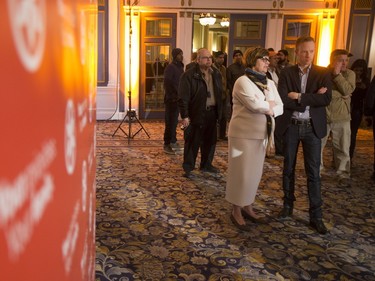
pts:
pixel 233 42
pixel 143 111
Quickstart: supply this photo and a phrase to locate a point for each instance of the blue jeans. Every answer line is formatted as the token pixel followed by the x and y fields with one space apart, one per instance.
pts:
pixel 311 146
pixel 171 121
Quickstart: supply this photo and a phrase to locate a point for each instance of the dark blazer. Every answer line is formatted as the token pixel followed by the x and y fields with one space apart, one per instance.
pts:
pixel 289 81
pixel 370 99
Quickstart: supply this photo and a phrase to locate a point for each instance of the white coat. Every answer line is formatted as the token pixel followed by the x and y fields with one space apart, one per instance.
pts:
pixel 247 139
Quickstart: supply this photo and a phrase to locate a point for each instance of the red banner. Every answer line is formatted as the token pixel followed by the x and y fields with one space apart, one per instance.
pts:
pixel 47 145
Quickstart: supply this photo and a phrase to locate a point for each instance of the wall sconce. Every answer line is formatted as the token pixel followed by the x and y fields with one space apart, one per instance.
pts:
pixel 224 22
pixel 207 19
pixel 331 3
pixel 326 36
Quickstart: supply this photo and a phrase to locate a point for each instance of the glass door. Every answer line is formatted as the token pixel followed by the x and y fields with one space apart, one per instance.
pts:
pixel 158 39
pixel 246 30
pixel 294 27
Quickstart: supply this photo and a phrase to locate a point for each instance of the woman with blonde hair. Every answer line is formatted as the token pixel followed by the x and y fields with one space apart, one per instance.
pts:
pixel 256 102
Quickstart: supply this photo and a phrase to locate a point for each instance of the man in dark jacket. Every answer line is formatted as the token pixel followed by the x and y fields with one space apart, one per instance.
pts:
pixel 370 112
pixel 306 90
pixel 283 60
pixel 172 74
pixel 234 71
pixel 199 101
pixel 219 57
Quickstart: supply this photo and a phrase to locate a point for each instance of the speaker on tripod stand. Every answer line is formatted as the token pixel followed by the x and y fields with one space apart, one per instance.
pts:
pixel 131 114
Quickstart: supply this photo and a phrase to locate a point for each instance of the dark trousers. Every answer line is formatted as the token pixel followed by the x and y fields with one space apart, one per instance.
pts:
pixel 354 125
pixel 171 121
pixel 311 146
pixel 223 120
pixel 278 138
pixel 373 135
pixel 200 136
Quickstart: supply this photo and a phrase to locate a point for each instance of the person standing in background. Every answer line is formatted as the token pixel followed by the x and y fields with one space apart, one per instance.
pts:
pixel 305 90
pixel 283 60
pixel 357 101
pixel 219 57
pixel 193 61
pixel 199 102
pixel 338 112
pixel 273 74
pixel 234 71
pixel 172 74
pixel 255 100
pixel 370 113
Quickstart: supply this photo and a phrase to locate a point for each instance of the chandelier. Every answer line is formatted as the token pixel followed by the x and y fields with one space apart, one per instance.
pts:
pixel 224 22
pixel 207 19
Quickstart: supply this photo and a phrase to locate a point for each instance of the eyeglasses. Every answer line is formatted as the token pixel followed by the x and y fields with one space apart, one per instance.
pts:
pixel 206 58
pixel 265 59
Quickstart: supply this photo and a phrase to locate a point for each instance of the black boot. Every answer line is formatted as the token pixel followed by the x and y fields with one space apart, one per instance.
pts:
pixel 318 225
pixel 287 211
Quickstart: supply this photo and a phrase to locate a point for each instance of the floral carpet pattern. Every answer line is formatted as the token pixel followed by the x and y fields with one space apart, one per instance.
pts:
pixel 154 224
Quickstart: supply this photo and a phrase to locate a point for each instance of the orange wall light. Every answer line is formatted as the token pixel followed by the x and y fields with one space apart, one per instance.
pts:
pixel 326 36
pixel 132 37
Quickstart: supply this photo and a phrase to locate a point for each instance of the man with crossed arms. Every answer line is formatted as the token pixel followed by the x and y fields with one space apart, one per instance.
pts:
pixel 305 90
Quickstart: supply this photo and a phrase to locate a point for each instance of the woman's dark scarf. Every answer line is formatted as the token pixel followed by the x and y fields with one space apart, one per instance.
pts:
pixel 257 78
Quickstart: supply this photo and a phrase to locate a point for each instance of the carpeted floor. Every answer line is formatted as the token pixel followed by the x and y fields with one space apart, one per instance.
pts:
pixel 154 224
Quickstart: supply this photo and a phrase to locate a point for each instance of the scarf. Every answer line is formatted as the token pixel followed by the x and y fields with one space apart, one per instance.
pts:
pixel 259 79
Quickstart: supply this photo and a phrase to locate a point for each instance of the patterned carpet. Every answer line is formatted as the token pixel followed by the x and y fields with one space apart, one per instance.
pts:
pixel 154 224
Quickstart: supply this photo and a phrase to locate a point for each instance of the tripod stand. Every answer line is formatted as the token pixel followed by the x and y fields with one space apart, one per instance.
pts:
pixel 131 114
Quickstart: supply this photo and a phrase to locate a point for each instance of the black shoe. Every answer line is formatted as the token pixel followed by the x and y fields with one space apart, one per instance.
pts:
pixel 210 169
pixel 187 174
pixel 285 212
pixel 318 225
pixel 168 149
pixel 239 226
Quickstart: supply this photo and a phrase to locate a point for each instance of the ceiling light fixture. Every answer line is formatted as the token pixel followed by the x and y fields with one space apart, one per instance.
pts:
pixel 224 22
pixel 207 19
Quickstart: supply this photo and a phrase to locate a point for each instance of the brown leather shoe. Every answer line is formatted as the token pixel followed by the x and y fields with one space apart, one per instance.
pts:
pixel 250 217
pixel 239 226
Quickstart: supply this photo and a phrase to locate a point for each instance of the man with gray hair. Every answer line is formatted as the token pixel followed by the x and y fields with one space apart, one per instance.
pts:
pixel 199 101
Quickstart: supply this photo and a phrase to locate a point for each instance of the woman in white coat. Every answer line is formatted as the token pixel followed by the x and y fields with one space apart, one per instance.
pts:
pixel 255 102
